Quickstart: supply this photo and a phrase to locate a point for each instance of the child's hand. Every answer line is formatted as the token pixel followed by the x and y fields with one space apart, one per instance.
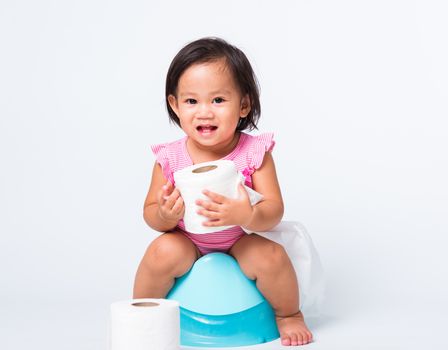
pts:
pixel 223 211
pixel 171 204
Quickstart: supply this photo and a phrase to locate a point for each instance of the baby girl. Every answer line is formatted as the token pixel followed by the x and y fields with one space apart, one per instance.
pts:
pixel 212 95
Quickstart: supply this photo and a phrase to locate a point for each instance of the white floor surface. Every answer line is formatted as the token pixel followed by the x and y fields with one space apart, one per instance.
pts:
pixel 71 325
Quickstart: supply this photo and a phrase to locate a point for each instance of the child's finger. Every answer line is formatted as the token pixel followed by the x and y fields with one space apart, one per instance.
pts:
pixel 208 205
pixel 170 200
pixel 160 197
pixel 213 223
pixel 212 215
pixel 215 197
pixel 177 207
pixel 176 192
pixel 173 198
pixel 167 189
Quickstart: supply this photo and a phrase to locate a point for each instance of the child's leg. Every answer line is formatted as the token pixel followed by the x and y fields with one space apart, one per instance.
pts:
pixel 169 256
pixel 267 262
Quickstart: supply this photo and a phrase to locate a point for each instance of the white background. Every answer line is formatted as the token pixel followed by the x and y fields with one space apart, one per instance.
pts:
pixel 355 91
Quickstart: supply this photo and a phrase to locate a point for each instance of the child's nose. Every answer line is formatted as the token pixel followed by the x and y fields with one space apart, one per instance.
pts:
pixel 204 111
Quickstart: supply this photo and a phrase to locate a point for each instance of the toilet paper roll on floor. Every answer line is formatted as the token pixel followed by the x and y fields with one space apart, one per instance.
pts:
pixel 143 324
pixel 220 176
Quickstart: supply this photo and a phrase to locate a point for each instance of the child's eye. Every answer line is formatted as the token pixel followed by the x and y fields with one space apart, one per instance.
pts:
pixel 190 101
pixel 218 100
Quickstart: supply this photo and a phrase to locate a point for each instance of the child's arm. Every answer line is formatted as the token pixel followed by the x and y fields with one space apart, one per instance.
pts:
pixel 163 206
pixel 267 213
pixel 263 216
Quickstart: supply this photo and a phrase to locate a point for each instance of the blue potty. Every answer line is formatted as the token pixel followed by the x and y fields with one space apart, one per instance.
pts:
pixel 220 306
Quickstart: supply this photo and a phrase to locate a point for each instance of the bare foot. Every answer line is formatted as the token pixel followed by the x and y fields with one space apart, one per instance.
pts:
pixel 293 330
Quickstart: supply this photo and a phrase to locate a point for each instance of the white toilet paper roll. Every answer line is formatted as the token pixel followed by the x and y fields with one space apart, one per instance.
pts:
pixel 220 176
pixel 143 324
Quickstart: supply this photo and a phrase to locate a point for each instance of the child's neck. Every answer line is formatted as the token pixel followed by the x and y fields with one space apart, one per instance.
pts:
pixel 207 154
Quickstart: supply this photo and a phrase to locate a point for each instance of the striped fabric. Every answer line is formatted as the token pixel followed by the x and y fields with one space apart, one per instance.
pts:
pixel 247 155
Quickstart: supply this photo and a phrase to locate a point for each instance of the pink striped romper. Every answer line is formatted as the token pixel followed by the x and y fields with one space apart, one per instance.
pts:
pixel 247 155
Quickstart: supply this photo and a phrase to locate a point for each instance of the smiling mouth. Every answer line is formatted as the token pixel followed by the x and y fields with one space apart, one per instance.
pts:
pixel 206 128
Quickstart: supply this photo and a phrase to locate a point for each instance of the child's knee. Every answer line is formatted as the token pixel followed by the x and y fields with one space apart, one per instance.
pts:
pixel 168 253
pixel 268 257
pixel 272 256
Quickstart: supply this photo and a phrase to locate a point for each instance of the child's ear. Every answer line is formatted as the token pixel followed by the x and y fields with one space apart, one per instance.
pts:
pixel 172 100
pixel 245 106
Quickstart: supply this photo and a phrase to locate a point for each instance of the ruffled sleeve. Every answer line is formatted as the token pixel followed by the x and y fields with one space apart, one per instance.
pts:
pixel 257 148
pixel 162 157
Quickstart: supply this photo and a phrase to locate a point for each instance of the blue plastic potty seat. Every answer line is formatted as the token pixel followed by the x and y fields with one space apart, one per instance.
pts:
pixel 220 306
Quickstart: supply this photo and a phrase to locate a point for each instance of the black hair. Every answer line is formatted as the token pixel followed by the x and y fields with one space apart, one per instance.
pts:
pixel 212 49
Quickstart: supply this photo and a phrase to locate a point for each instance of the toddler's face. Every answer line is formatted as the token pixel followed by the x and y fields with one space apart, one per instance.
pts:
pixel 209 104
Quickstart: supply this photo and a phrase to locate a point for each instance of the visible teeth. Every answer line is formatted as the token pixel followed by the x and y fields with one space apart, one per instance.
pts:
pixel 206 127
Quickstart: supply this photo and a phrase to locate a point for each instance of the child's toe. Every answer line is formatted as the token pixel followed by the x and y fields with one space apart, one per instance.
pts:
pixel 309 337
pixel 286 340
pixel 301 339
pixel 295 340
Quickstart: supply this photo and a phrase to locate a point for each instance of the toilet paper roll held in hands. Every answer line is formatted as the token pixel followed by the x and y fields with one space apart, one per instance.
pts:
pixel 143 324
pixel 219 176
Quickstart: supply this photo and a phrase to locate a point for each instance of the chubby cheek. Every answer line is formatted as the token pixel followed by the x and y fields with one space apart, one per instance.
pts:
pixel 182 115
pixel 183 125
pixel 233 122
pixel 185 119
